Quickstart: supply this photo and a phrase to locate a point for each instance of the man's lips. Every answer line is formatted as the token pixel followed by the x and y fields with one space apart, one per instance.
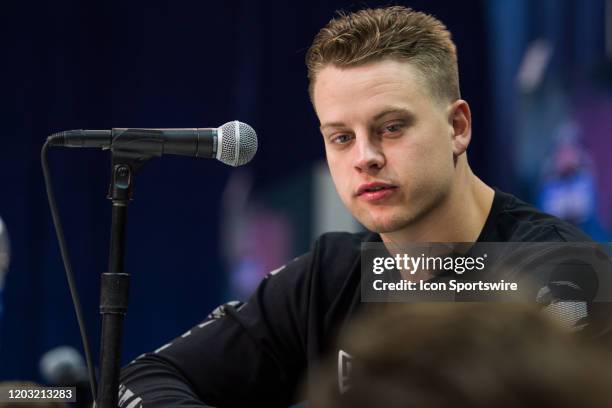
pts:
pixel 369 188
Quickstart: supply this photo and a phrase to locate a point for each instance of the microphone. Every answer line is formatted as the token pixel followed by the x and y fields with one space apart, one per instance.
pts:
pixel 234 143
pixel 63 365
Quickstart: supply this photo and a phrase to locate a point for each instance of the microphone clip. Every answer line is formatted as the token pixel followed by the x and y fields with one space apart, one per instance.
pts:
pixel 124 166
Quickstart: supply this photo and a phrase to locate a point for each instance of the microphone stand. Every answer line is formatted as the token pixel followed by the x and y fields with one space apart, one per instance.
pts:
pixel 114 288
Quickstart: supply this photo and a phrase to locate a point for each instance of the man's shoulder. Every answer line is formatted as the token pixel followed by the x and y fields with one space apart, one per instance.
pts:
pixel 337 255
pixel 518 221
pixel 340 250
pixel 345 241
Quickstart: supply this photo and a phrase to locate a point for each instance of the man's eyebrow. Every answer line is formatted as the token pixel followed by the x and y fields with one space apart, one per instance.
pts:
pixel 332 124
pixel 389 111
pixel 385 112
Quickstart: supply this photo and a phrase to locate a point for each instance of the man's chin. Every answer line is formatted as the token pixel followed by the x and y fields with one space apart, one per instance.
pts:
pixel 384 226
pixel 384 219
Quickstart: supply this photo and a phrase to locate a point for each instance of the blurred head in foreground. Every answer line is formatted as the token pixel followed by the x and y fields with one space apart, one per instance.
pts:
pixel 464 355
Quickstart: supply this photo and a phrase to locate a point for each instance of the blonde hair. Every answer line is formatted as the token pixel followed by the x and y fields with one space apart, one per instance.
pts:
pixel 396 32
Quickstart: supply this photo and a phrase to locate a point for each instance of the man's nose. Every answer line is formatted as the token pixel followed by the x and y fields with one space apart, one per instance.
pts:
pixel 369 155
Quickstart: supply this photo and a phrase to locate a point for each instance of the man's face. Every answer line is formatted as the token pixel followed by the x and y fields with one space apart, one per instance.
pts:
pixel 389 143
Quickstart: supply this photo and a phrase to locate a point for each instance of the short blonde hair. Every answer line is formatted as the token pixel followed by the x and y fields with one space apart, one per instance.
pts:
pixel 396 32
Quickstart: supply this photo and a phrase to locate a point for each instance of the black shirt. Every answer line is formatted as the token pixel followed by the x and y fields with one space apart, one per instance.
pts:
pixel 258 353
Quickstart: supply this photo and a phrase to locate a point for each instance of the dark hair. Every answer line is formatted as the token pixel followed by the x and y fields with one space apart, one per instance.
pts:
pixel 445 355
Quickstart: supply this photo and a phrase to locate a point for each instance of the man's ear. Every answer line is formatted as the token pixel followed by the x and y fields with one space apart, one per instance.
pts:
pixel 460 120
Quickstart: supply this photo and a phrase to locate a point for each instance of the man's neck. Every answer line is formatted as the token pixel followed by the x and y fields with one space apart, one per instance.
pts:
pixel 459 218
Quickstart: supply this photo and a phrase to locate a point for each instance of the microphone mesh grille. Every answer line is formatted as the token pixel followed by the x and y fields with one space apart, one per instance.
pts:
pixel 569 314
pixel 238 144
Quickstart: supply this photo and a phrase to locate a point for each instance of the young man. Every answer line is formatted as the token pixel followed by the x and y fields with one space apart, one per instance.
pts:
pixel 385 87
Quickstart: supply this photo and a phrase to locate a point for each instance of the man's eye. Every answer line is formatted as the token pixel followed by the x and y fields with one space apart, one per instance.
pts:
pixel 394 127
pixel 341 139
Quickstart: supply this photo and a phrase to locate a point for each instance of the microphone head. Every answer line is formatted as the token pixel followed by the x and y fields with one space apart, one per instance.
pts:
pixel 63 365
pixel 237 143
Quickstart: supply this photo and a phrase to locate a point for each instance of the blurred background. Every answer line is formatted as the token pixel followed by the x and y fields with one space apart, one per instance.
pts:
pixel 537 74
